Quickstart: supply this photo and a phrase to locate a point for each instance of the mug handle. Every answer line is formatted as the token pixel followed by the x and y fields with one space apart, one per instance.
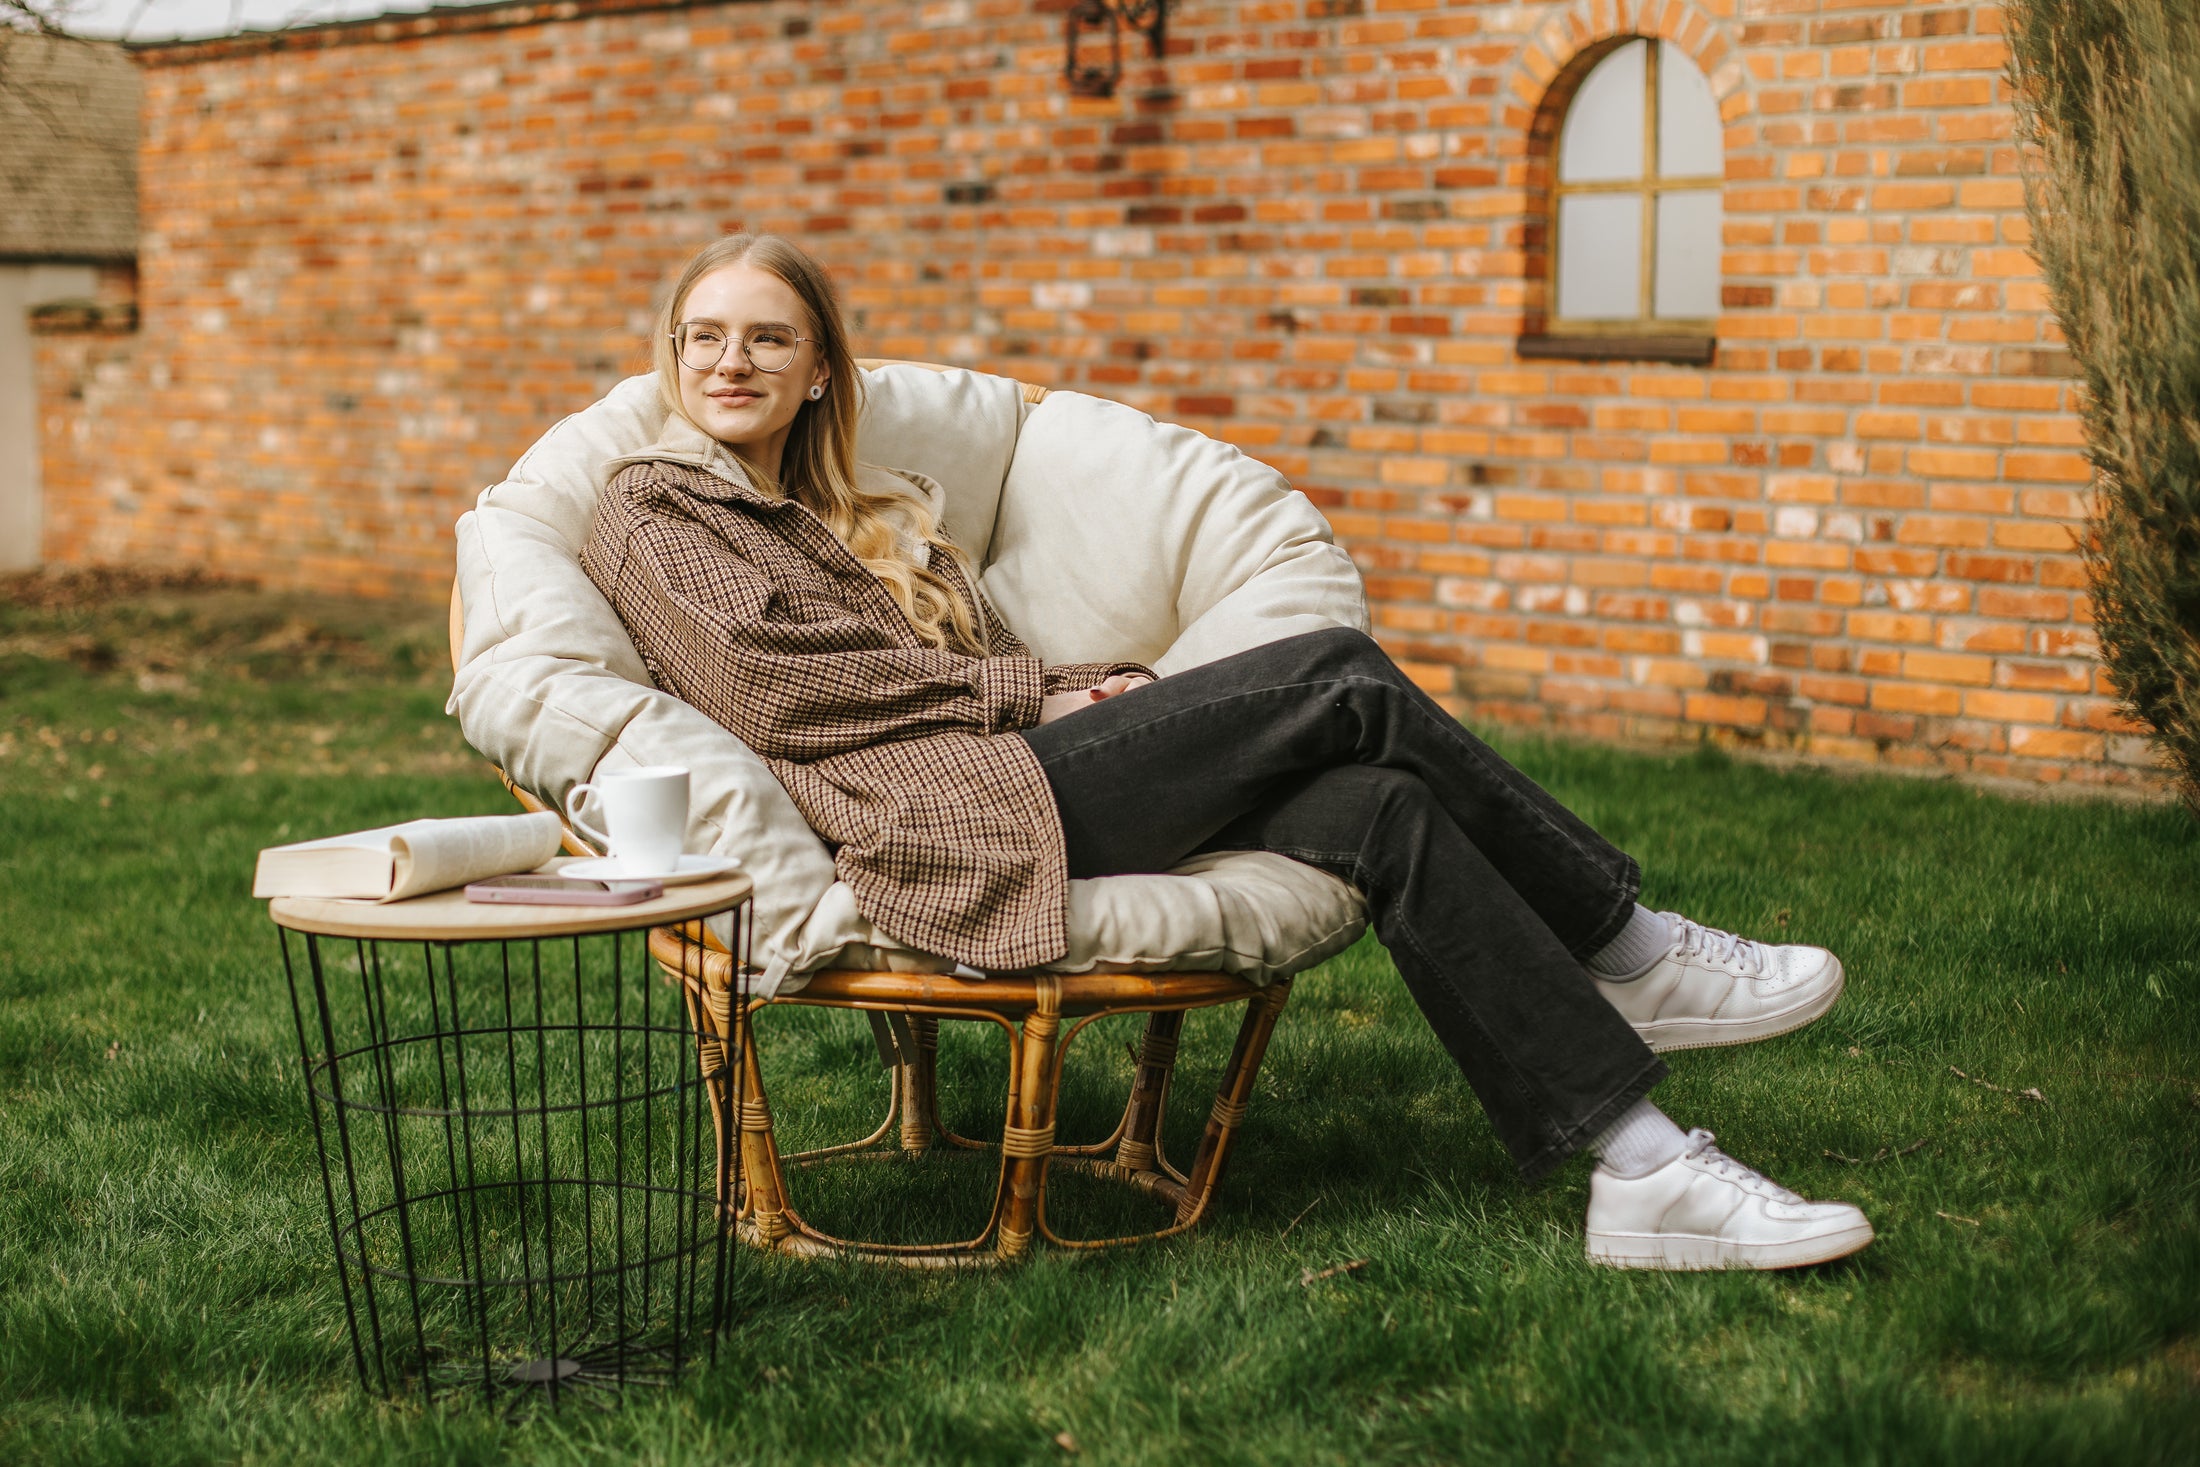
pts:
pixel 573 799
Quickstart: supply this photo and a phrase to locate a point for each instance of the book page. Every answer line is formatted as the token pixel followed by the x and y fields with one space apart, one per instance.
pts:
pixel 377 839
pixel 354 864
pixel 433 855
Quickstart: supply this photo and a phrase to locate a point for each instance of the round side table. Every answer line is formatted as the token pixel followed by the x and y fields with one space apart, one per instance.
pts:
pixel 522 1153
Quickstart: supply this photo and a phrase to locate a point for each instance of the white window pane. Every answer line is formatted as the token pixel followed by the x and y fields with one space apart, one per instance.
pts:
pixel 1688 253
pixel 1602 140
pixel 1600 257
pixel 1691 143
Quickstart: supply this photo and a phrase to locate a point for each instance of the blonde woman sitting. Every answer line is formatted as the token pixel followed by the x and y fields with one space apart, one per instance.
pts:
pixel 814 607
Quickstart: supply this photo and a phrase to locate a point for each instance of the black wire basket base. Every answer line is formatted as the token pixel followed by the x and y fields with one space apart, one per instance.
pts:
pixel 592 1374
pixel 522 1162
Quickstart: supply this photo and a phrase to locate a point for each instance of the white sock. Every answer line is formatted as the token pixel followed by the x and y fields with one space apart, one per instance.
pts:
pixel 1647 937
pixel 1639 1142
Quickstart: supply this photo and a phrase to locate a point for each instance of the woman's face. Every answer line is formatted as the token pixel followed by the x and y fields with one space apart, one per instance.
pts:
pixel 736 403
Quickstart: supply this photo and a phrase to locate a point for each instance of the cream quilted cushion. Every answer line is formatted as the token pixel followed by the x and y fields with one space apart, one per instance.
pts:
pixel 1119 536
pixel 1102 535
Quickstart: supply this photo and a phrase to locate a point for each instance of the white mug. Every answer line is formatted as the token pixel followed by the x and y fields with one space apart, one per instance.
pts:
pixel 645 813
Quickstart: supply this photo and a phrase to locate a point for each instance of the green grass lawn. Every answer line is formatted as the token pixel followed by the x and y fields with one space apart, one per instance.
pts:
pixel 167 1295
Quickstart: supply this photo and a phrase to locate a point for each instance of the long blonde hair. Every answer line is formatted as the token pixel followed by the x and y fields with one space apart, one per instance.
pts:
pixel 817 467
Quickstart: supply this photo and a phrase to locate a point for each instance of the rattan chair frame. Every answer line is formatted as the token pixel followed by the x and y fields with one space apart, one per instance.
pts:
pixel 1029 1008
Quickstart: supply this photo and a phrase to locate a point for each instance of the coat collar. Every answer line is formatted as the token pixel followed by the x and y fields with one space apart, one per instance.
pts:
pixel 682 443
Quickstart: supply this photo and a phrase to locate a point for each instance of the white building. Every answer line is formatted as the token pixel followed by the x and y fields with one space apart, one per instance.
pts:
pixel 68 204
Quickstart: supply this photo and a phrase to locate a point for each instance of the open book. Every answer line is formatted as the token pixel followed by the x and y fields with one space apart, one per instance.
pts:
pixel 399 861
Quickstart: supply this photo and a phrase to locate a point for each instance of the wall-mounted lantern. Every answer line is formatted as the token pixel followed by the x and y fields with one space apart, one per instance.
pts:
pixel 1092 40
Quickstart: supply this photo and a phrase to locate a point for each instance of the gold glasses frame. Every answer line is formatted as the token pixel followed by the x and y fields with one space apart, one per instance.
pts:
pixel 680 335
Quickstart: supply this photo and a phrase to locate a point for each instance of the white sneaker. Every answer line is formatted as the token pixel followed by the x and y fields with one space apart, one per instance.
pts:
pixel 1704 1209
pixel 1714 988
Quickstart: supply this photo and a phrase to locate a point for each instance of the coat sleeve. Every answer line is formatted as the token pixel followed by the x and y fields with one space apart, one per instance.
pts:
pixel 716 634
pixel 1075 677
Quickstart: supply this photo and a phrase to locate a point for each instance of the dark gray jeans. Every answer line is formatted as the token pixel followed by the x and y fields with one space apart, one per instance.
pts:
pixel 1487 891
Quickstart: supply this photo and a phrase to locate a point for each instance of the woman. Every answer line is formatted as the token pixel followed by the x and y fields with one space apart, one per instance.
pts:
pixel 814 608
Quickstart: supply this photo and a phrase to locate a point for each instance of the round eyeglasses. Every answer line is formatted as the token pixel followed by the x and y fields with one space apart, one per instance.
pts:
pixel 702 345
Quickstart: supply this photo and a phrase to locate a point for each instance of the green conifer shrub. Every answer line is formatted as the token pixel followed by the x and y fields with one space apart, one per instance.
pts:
pixel 2108 100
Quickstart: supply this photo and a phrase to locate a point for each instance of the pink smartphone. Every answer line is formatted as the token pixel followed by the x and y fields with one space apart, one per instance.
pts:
pixel 558 891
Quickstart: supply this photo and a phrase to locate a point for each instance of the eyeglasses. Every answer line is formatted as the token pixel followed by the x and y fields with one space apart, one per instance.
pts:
pixel 702 346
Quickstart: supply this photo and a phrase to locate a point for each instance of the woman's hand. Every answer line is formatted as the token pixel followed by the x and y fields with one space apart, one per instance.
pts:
pixel 1056 705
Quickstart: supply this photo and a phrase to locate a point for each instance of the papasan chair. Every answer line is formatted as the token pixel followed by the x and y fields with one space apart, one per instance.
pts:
pixel 1101 534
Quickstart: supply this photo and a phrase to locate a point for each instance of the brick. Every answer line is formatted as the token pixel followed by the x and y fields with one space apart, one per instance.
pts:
pixel 1884 626
pixel 1951 92
pixel 1992 499
pixel 2025 605
pixel 1988 54
pixel 1725 646
pixel 1966 634
pixel 1940 529
pixel 2009 707
pixel 1818 555
pixel 2027 535
pixel 1887 425
pixel 1952 463
pixel 1887 728
pixel 1734 712
pixel 1992 567
pixel 1922 698
pixel 2067 468
pixel 2055 743
pixel 1890 561
pixel 2066 571
pixel 1947 667
pixel 2056 677
pixel 1936 595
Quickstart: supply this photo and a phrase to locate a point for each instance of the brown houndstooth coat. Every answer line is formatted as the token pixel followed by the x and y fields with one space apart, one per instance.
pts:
pixel 899 755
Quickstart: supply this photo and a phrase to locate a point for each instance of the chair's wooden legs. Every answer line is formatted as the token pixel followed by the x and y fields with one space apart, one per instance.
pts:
pixel 1137 1151
pixel 763 1191
pixel 919 1082
pixel 712 1013
pixel 1237 1090
pixel 1028 1138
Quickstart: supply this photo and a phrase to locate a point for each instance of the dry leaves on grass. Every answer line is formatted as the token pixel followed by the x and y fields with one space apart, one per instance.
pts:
pixel 72 589
pixel 1884 1153
pixel 171 629
pixel 2029 1092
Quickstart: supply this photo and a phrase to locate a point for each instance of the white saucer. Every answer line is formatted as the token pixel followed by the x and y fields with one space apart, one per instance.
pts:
pixel 608 868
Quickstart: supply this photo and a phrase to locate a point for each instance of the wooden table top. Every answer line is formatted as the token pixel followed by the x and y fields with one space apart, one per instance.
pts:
pixel 447 916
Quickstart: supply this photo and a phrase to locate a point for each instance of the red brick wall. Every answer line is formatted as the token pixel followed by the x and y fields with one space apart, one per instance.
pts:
pixel 379 260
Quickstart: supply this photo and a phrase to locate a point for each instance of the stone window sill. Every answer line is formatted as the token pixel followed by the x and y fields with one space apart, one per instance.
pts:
pixel 1691 351
pixel 69 318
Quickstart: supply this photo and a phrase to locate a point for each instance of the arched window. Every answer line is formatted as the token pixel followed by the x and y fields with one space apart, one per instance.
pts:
pixel 1635 200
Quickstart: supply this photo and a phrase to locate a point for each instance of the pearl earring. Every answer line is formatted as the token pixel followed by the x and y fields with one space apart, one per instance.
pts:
pixel 816 392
